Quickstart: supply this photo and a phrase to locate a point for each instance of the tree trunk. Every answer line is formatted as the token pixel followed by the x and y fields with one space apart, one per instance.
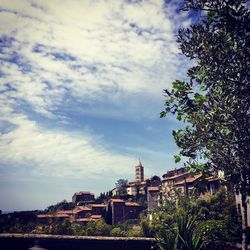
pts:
pixel 244 219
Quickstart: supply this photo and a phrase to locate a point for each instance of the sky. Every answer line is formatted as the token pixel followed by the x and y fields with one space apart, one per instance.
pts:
pixel 81 89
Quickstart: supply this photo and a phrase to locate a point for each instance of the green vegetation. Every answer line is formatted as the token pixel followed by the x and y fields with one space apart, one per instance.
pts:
pixel 121 187
pixel 19 222
pixel 195 223
pixel 182 223
pixel 214 102
pixel 63 205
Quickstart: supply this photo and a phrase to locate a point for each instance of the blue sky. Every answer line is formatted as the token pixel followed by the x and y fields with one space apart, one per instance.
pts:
pixel 80 95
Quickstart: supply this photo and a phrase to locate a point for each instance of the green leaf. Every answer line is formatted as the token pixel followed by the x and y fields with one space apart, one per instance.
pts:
pixel 199 98
pixel 177 158
pixel 203 88
pixel 162 114
pixel 179 116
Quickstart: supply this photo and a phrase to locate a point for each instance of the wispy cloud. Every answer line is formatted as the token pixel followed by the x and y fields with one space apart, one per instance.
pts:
pixel 45 152
pixel 88 50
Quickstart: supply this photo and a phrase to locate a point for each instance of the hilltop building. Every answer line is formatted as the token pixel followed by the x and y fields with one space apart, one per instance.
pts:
pixel 139 185
pixel 119 210
pixel 83 196
pixel 122 211
pixel 139 172
pixel 179 181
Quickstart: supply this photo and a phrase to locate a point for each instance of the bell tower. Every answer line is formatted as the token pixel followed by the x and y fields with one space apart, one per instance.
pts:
pixel 139 172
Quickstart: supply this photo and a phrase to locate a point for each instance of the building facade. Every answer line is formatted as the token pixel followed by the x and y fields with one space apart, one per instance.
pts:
pixel 122 211
pixel 83 196
pixel 139 172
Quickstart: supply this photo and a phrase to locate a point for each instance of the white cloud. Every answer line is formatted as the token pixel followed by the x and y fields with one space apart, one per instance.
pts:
pixel 28 147
pixel 114 50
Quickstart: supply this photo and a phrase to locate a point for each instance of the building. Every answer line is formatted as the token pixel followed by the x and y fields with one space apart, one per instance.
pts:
pixel 122 211
pixel 83 196
pixel 97 209
pixel 183 182
pixel 152 198
pixel 139 172
pixel 79 213
pixel 239 207
pixel 136 187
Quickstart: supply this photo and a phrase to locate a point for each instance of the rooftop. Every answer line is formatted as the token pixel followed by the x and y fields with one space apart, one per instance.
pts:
pixel 82 208
pixel 132 204
pixel 97 205
pixel 96 216
pixel 189 179
pixel 117 200
pixel 153 189
pixel 175 176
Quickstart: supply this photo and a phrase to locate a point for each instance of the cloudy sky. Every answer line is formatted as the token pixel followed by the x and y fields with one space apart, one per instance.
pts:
pixel 81 89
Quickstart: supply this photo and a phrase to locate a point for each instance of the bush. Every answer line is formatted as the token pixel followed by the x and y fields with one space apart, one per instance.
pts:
pixel 116 232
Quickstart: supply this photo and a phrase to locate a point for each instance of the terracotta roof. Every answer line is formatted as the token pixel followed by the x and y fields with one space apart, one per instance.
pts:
pixel 81 208
pixel 68 212
pixel 97 205
pixel 153 189
pixel 95 216
pixel 132 204
pixel 42 216
pixel 117 200
pixel 61 215
pixel 138 182
pixel 189 179
pixel 175 176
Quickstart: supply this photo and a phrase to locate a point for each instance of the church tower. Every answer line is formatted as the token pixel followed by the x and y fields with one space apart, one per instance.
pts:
pixel 139 172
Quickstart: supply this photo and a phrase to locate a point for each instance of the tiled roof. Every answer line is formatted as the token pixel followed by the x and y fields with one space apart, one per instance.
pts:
pixel 97 205
pixel 61 215
pixel 69 212
pixel 132 204
pixel 153 189
pixel 117 200
pixel 175 176
pixel 42 216
pixel 81 208
pixel 95 216
pixel 189 179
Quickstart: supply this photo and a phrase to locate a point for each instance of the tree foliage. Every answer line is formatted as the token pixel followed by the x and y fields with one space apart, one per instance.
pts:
pixel 121 186
pixel 215 101
pixel 196 223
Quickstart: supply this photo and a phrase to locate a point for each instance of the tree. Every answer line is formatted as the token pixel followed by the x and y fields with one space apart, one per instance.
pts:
pixel 215 100
pixel 196 223
pixel 121 186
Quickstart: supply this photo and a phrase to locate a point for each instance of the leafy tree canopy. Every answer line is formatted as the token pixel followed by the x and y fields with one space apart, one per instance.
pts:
pixel 215 101
pixel 121 186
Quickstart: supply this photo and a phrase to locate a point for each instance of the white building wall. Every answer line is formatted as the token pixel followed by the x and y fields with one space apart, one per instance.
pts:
pixel 239 206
